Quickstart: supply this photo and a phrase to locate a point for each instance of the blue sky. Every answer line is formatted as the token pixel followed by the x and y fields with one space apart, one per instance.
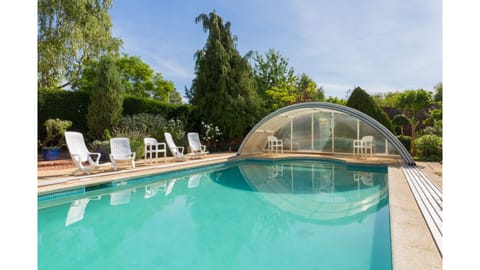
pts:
pixel 378 45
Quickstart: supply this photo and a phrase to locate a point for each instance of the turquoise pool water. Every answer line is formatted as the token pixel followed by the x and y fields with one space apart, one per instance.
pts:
pixel 254 214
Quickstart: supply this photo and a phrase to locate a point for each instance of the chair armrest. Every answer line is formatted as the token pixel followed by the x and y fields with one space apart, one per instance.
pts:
pixel 180 149
pixel 164 148
pixel 97 158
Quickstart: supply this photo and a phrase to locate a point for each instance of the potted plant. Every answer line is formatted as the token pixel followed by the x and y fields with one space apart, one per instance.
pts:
pixel 55 137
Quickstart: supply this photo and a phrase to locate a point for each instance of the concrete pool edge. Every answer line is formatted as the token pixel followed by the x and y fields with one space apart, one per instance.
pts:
pixel 413 246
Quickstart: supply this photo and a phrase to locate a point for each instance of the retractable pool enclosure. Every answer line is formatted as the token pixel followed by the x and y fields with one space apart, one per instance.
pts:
pixel 322 127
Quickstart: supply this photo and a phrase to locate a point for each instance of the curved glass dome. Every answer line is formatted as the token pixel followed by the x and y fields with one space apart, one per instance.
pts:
pixel 322 127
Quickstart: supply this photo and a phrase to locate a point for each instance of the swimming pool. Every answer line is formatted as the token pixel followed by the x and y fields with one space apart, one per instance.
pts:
pixel 251 214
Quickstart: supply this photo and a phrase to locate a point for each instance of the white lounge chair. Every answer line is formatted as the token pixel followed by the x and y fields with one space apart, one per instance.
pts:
pixel 363 146
pixel 154 147
pixel 120 152
pixel 177 151
pixel 197 149
pixel 274 144
pixel 80 154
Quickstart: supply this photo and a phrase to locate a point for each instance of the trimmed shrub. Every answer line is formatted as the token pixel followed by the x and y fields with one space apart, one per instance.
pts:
pixel 429 148
pixel 406 141
pixel 152 125
pixel 136 140
pixel 361 100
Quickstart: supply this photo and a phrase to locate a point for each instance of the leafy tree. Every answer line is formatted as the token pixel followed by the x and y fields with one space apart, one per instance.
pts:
pixel 175 98
pixel 271 71
pixel 386 99
pixel 105 109
pixel 163 90
pixel 136 75
pixel 400 120
pixel 434 120
pixel 360 100
pixel 336 100
pixel 137 78
pixel 282 94
pixel 307 90
pixel 272 74
pixel 71 33
pixel 223 88
pixel 413 104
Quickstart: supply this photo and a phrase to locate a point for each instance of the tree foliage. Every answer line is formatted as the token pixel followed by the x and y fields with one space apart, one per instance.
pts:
pixel 413 104
pixel 388 99
pixel 275 80
pixel 361 100
pixel 137 79
pixel 336 100
pixel 438 96
pixel 307 90
pixel 278 85
pixel 223 88
pixel 71 33
pixel 400 120
pixel 105 109
pixel 429 148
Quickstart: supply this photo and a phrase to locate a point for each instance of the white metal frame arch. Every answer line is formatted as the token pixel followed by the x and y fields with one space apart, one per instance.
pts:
pixel 340 108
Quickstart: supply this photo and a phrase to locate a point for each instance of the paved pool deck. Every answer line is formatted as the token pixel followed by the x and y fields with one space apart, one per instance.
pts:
pixel 413 246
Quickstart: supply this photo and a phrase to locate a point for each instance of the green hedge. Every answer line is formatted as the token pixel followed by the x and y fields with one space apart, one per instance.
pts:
pixel 135 105
pixel 62 104
pixel 73 106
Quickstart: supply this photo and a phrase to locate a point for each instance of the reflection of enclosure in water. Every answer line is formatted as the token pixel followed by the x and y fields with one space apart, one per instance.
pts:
pixel 320 191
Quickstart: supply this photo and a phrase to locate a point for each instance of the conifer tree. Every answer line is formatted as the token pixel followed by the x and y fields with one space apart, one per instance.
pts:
pixel 106 100
pixel 223 88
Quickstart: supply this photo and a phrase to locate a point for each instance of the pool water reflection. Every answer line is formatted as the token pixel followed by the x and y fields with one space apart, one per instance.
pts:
pixel 290 214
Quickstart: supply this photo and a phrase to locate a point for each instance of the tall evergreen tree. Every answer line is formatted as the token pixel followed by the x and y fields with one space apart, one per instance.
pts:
pixel 223 89
pixel 106 101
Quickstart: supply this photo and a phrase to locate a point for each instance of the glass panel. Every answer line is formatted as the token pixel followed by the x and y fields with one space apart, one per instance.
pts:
pixel 302 133
pixel 284 134
pixel 391 149
pixel 344 133
pixel 323 131
pixel 378 139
